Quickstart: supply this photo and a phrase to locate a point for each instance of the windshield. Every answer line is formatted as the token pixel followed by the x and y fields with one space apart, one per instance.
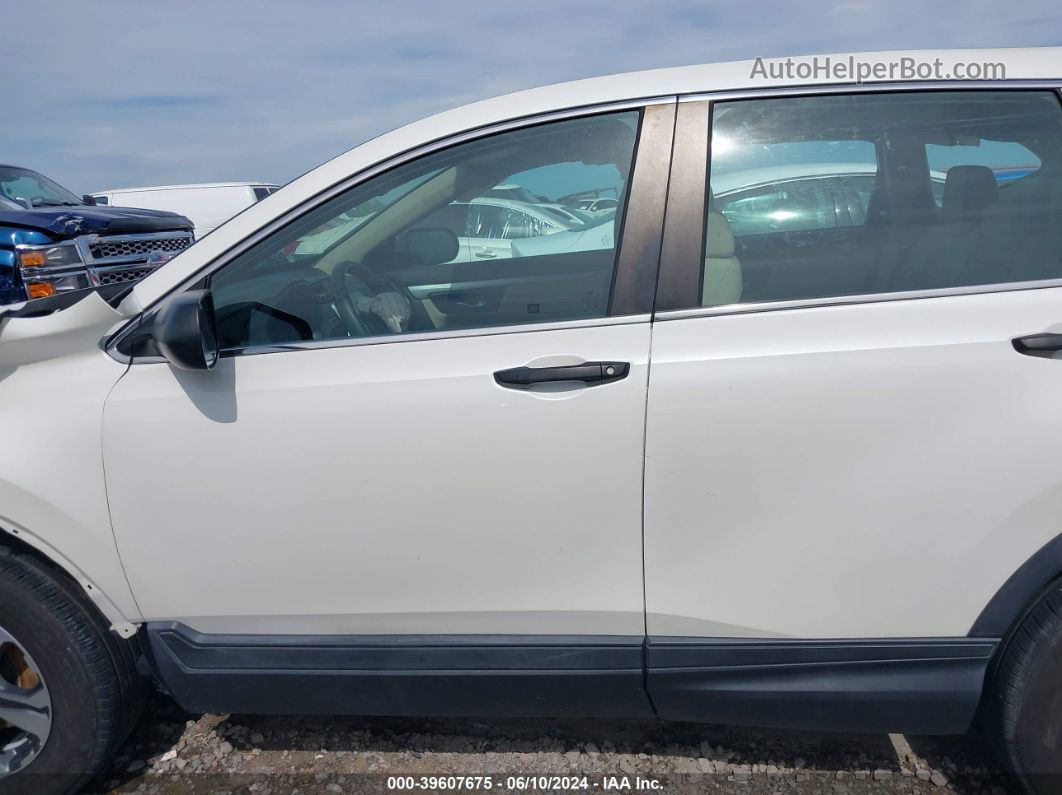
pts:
pixel 21 183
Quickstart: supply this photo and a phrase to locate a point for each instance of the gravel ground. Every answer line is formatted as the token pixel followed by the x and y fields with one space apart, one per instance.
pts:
pixel 174 752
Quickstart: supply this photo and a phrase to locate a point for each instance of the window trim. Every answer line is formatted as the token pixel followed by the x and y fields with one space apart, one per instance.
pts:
pixel 640 235
pixel 681 264
pixel 631 295
pixel 428 336
pixel 682 251
pixel 850 300
pixel 868 88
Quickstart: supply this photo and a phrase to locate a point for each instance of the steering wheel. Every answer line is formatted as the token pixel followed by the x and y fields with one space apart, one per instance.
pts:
pixel 359 323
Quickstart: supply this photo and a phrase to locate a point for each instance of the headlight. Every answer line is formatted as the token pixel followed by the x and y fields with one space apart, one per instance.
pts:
pixel 39 256
pixel 47 270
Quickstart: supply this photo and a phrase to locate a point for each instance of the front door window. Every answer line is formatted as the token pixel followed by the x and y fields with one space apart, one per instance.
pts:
pixel 429 246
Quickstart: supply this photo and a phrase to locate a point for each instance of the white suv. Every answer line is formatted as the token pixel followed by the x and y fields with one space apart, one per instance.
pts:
pixel 804 476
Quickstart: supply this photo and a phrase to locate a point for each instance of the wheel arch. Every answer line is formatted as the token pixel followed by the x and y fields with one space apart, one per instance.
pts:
pixel 20 540
pixel 1020 591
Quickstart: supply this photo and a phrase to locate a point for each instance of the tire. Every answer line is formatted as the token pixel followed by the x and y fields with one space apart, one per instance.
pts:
pixel 1023 708
pixel 89 674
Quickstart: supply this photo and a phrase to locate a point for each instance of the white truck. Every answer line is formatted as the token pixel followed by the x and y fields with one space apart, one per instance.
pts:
pixel 801 477
pixel 207 204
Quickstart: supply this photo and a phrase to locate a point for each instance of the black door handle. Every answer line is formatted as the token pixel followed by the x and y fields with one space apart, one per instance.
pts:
pixel 1044 345
pixel 591 374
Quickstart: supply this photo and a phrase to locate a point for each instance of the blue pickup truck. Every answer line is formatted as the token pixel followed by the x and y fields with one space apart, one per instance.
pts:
pixel 52 242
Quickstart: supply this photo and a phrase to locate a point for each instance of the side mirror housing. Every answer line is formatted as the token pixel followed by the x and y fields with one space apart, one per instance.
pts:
pixel 184 331
pixel 88 201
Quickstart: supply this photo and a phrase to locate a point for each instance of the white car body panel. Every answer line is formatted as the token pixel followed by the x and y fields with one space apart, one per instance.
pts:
pixel 871 470
pixel 473 248
pixel 598 208
pixel 597 237
pixel 52 490
pixel 386 488
pixel 206 205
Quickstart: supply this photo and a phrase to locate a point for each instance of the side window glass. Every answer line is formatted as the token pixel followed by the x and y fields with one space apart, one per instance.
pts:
pixel 886 192
pixel 481 234
pixel 487 221
pixel 1009 161
pixel 453 217
pixel 520 224
pixel 804 204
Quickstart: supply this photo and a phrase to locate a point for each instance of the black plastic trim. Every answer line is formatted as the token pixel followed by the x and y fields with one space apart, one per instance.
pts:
pixel 1019 591
pixel 196 650
pixel 590 374
pixel 681 255
pixel 921 686
pixel 1046 346
pixel 634 281
pixel 401 674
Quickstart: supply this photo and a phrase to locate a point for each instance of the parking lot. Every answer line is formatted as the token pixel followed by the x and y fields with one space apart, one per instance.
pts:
pixel 172 751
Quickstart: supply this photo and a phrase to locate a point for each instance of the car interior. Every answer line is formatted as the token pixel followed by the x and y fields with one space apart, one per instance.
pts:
pixel 993 221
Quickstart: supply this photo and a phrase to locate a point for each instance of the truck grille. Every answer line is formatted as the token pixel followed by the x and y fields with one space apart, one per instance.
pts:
pixel 124 275
pixel 127 247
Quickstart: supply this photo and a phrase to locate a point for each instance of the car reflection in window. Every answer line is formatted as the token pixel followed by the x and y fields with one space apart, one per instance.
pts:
pixel 762 203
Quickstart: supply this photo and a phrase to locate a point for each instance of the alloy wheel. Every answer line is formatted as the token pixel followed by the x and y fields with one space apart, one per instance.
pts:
pixel 25 706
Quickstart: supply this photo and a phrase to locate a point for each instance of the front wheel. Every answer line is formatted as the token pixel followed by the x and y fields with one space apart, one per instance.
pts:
pixel 1023 706
pixel 69 691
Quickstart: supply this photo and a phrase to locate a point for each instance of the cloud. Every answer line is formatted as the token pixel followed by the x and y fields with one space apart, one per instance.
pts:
pixel 126 93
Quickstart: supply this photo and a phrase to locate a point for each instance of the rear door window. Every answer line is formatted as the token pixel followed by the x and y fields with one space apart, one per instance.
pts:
pixel 853 194
pixel 1009 161
pixel 818 202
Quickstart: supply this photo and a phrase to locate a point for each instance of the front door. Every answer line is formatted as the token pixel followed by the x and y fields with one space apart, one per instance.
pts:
pixel 361 462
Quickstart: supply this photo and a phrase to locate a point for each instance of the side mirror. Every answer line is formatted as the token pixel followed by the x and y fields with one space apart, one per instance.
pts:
pixel 431 246
pixel 26 203
pixel 184 331
pixel 88 201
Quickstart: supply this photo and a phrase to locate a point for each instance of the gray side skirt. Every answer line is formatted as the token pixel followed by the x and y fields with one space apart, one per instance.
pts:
pixel 929 686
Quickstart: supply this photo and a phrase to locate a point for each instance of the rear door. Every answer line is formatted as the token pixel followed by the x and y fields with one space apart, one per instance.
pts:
pixel 852 444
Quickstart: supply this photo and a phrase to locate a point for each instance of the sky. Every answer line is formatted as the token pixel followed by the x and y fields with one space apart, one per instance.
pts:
pixel 123 93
